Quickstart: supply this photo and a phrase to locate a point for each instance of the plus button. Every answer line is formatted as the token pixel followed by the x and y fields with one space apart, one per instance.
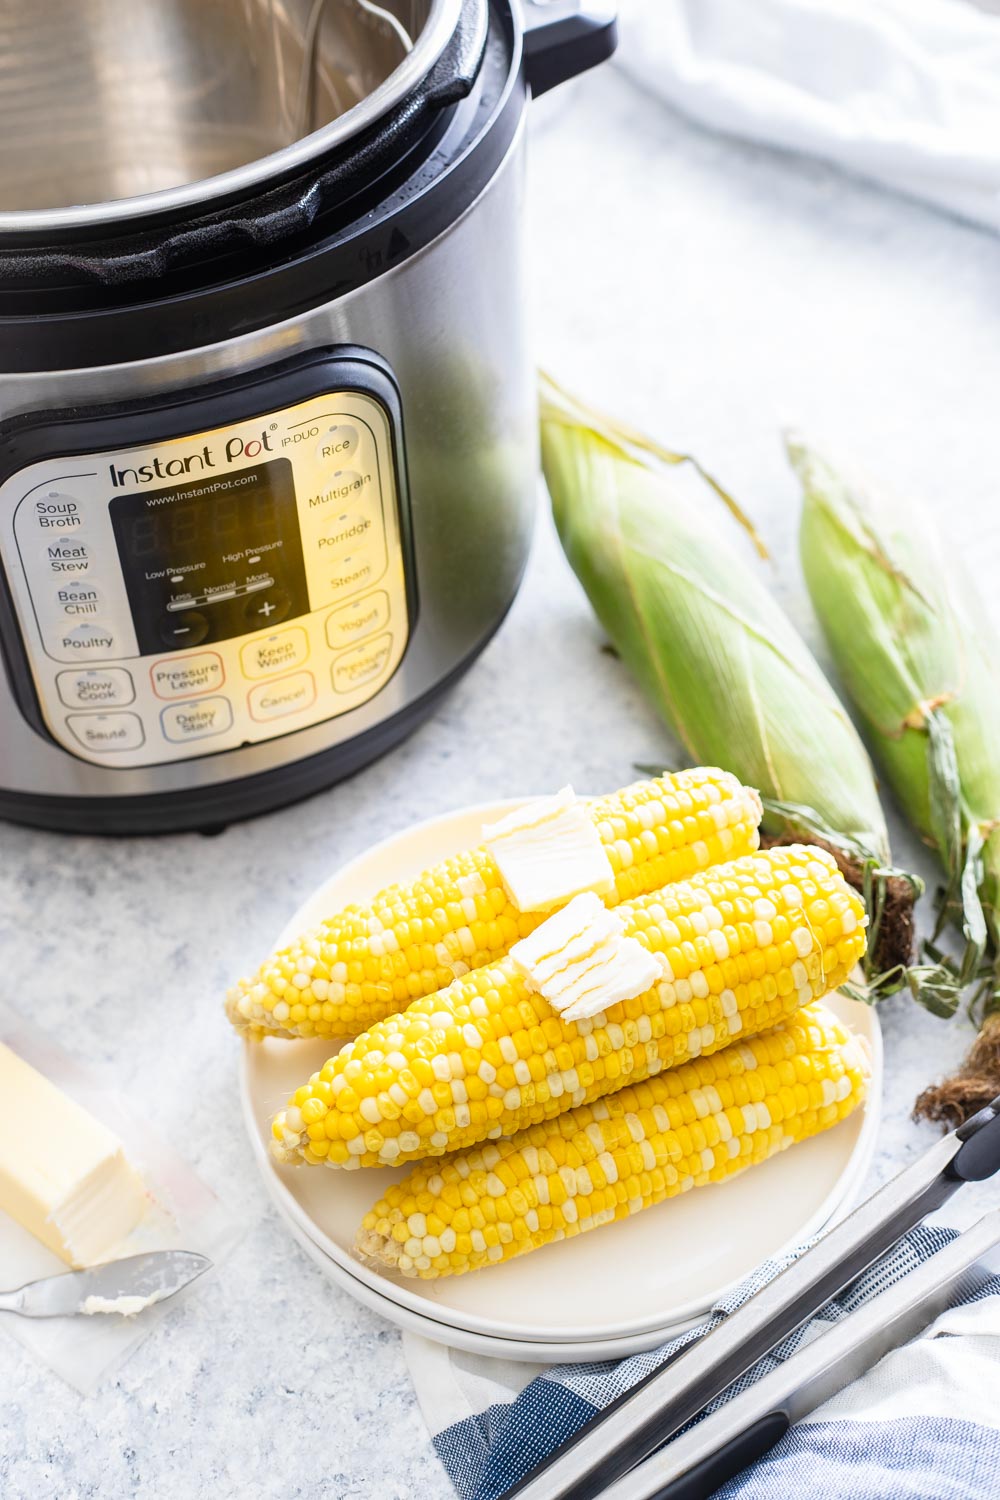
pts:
pixel 267 609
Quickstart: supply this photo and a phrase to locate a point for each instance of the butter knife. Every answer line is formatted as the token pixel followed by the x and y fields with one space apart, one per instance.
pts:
pixel 123 1287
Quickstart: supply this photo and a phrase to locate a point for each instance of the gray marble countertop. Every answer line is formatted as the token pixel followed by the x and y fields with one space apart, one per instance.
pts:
pixel 711 291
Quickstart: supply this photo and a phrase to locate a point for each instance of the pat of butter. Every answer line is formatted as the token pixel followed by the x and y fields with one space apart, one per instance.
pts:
pixel 582 961
pixel 63 1175
pixel 549 851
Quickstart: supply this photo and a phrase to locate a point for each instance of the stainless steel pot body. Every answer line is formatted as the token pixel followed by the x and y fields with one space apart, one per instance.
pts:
pixel 450 324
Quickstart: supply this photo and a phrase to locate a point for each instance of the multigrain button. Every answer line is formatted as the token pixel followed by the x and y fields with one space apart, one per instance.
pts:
pixel 107 733
pixel 187 676
pixel 285 695
pixel 270 654
pixel 196 721
pixel 363 664
pixel 95 688
pixel 362 617
pixel 88 640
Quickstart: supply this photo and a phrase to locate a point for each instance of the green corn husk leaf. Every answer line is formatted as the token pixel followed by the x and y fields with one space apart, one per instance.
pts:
pixel 921 662
pixel 711 647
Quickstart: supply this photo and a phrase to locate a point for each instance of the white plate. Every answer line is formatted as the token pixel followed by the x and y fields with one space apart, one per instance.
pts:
pixel 681 1256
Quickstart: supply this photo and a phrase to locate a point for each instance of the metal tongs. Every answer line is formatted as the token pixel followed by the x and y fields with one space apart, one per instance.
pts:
pixel 611 1454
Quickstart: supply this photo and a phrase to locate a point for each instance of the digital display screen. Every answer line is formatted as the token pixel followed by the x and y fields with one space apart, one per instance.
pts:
pixel 216 558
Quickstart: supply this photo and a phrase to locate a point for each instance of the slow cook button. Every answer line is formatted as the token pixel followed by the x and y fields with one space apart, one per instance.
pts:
pixel 361 665
pixel 95 688
pixel 88 640
pixel 106 733
pixel 274 653
pixel 196 721
pixel 187 676
pixel 352 622
pixel 286 695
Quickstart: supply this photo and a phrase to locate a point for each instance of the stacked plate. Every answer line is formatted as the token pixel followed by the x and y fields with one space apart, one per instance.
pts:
pixel 615 1291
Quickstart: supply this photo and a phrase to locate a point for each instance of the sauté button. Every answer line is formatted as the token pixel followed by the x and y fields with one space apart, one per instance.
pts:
pixel 274 653
pixel 268 607
pixel 338 443
pixel 184 627
pixel 77 598
pixel 363 664
pixel 88 640
pixel 66 556
pixel 96 688
pixel 196 721
pixel 362 617
pixel 186 676
pixel 107 732
pixel 285 695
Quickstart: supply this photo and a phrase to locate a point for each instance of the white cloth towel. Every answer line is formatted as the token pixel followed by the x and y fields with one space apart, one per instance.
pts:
pixel 904 92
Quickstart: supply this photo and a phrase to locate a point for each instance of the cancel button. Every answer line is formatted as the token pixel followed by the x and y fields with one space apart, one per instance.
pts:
pixel 196 721
pixel 285 695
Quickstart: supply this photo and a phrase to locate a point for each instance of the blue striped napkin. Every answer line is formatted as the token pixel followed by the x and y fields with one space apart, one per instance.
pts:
pixel 924 1424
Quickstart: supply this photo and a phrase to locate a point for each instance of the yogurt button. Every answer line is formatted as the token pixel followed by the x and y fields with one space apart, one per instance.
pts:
pixel 363 664
pixel 196 721
pixel 106 733
pixel 95 688
pixel 285 695
pixel 362 617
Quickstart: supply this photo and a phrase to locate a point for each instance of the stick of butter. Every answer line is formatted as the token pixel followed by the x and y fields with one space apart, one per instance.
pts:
pixel 63 1175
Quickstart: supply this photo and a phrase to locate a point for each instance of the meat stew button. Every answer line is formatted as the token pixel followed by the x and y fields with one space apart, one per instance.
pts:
pixel 285 695
pixel 106 733
pixel 196 721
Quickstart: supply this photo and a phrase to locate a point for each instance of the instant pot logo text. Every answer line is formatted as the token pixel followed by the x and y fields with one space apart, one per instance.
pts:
pixel 198 462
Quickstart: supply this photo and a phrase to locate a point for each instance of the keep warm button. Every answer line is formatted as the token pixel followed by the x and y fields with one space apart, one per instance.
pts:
pixel 196 721
pixel 363 664
pixel 285 695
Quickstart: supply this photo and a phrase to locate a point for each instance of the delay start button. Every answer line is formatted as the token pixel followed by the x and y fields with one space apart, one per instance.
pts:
pixel 196 721
pixel 187 676
pixel 271 654
pixel 106 733
pixel 285 695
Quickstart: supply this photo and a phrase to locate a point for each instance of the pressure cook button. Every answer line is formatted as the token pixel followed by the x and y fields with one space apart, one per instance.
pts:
pixel 88 640
pixel 96 688
pixel 285 695
pixel 78 599
pixel 269 607
pixel 185 627
pixel 363 664
pixel 106 733
pixel 362 617
pixel 54 510
pixel 274 653
pixel 338 443
pixel 66 556
pixel 196 721
pixel 186 676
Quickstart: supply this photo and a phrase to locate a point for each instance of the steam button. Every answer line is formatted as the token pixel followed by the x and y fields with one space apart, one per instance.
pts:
pixel 187 627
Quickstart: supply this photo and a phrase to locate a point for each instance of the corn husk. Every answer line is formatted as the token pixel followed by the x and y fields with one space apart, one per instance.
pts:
pixel 921 662
pixel 716 654
pixel 713 650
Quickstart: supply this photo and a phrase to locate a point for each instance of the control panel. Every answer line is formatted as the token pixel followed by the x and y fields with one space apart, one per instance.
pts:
pixel 209 591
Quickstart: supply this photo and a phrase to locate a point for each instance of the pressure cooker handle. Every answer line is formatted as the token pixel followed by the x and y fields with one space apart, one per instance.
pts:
pixel 563 38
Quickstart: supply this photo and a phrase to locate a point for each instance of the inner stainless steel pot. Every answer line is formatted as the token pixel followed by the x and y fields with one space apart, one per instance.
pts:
pixel 115 108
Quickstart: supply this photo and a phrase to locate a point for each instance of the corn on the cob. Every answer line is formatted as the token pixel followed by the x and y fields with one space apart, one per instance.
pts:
pixel 745 945
pixel 367 962
pixel 696 1124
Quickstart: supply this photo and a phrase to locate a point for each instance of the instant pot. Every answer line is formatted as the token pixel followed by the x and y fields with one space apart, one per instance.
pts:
pixel 267 409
